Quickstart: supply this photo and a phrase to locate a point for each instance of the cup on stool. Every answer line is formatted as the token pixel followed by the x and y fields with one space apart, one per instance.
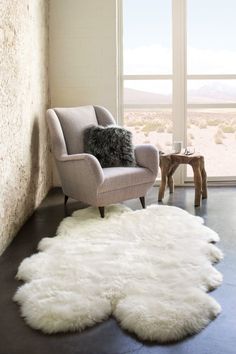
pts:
pixel 177 147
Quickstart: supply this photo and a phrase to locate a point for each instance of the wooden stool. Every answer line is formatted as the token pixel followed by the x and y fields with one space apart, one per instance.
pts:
pixel 170 162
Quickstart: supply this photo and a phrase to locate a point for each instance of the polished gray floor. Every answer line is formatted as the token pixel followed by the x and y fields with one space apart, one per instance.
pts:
pixel 219 213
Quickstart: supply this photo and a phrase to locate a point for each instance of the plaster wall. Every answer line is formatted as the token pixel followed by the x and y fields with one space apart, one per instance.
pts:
pixel 25 168
pixel 83 67
pixel 83 54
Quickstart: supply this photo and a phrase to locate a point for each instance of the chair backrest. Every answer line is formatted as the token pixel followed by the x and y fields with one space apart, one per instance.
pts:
pixel 72 123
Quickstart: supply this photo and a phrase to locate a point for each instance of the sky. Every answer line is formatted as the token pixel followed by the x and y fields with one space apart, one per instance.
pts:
pixel 211 29
pixel 211 24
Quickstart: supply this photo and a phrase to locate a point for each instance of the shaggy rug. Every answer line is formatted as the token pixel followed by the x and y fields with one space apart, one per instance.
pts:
pixel 149 268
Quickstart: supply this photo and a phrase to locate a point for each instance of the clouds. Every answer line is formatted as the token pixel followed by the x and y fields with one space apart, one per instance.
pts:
pixel 148 60
pixel 205 61
pixel 158 60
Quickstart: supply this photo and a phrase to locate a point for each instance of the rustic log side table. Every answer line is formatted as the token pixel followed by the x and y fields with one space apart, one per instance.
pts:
pixel 168 165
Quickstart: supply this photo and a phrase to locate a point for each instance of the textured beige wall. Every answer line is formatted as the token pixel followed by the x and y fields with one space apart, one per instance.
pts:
pixel 25 171
pixel 83 53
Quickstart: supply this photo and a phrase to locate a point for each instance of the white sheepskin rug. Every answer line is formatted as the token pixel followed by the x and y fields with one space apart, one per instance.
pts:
pixel 151 269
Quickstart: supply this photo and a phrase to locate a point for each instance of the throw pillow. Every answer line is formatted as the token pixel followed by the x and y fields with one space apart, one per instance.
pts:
pixel 111 145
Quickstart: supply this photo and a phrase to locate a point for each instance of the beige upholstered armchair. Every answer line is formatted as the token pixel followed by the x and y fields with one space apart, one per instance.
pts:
pixel 81 174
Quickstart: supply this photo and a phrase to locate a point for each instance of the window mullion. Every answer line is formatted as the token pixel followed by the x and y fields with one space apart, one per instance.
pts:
pixel 120 108
pixel 147 77
pixel 179 75
pixel 211 77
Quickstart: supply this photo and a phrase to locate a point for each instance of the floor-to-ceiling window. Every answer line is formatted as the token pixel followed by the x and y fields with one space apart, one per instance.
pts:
pixel 211 93
pixel 179 77
pixel 147 71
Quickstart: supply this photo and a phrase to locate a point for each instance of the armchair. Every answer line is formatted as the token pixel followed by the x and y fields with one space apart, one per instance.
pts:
pixel 81 174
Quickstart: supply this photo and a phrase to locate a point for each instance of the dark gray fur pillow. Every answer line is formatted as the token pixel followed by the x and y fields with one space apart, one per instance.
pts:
pixel 112 145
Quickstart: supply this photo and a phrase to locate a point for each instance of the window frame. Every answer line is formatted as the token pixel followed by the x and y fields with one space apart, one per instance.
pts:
pixel 179 79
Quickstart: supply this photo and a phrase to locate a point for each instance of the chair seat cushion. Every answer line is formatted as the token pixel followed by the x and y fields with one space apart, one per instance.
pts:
pixel 111 145
pixel 121 177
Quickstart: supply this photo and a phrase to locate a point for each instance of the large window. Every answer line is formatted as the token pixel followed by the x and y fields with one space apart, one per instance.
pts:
pixel 211 85
pixel 179 77
pixel 147 69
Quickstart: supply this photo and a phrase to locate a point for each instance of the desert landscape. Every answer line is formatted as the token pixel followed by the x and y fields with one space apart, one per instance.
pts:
pixel 211 132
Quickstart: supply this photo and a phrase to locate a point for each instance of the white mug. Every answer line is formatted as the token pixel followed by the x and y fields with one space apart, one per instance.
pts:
pixel 177 146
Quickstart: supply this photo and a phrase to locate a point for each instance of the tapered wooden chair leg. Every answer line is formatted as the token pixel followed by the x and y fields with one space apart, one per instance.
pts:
pixel 102 211
pixel 142 200
pixel 65 199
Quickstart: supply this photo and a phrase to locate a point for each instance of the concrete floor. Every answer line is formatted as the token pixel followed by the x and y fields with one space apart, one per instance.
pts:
pixel 219 213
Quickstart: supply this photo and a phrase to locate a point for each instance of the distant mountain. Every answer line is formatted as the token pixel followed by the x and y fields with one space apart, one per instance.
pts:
pixel 213 93
pixel 132 96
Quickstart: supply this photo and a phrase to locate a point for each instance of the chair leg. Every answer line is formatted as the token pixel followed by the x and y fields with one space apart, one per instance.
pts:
pixel 65 199
pixel 102 211
pixel 142 200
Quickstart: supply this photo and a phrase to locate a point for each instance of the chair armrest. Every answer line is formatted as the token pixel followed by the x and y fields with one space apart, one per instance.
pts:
pixel 86 166
pixel 147 156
